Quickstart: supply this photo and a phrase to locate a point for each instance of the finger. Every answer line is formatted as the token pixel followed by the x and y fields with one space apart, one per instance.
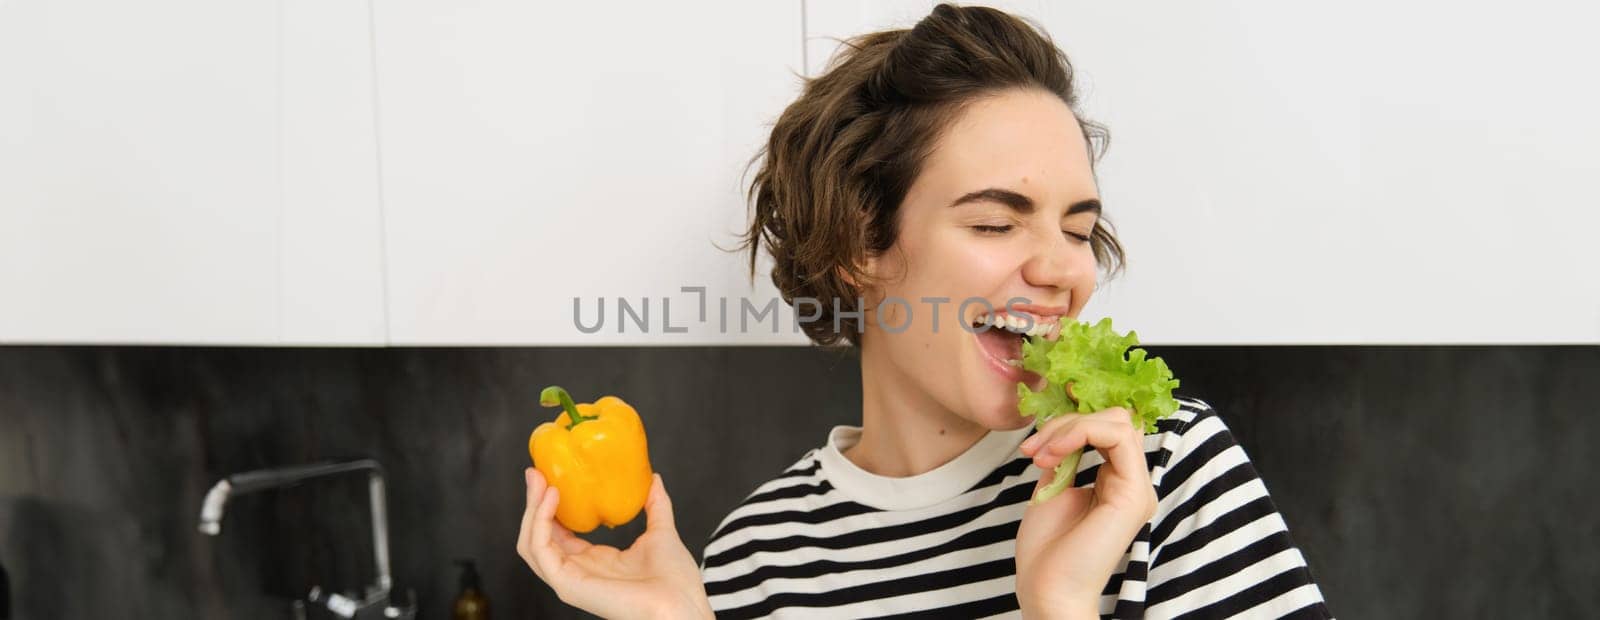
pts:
pixel 545 557
pixel 1039 437
pixel 1086 432
pixel 536 486
pixel 1127 455
pixel 1055 427
pixel 1114 414
pixel 1120 446
pixel 658 508
pixel 569 543
pixel 1045 479
pixel 1050 429
pixel 1050 432
pixel 1130 456
pixel 1069 502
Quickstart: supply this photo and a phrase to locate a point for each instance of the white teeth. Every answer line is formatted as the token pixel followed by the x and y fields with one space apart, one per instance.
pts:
pixel 1017 323
pixel 1026 325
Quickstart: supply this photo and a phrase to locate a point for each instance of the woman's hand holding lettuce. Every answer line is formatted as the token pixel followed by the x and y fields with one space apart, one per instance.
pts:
pixel 1100 395
pixel 1095 363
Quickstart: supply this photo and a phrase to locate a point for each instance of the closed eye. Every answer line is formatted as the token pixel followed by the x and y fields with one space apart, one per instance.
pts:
pixel 1079 237
pixel 993 230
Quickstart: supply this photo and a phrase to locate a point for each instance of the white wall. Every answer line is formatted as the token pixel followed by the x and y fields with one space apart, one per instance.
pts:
pixel 1291 173
pixel 437 173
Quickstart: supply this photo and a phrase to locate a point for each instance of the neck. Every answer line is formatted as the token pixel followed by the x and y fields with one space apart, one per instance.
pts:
pixel 904 431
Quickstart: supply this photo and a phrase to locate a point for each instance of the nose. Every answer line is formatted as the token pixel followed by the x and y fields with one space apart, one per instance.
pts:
pixel 1052 265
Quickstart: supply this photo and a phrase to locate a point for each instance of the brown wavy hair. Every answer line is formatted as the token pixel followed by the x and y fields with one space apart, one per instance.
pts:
pixel 842 156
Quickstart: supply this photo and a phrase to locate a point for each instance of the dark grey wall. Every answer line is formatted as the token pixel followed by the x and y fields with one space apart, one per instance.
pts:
pixel 1419 481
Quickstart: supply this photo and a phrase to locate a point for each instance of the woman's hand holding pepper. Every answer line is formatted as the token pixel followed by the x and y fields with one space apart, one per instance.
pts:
pixel 1068 546
pixel 656 577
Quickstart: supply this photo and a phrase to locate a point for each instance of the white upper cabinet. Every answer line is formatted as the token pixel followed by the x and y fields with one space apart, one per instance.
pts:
pixel 331 235
pixel 1290 173
pixel 424 172
pixel 187 173
pixel 138 172
pixel 534 153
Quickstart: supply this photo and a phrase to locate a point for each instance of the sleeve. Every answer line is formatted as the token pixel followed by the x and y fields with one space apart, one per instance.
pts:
pixel 1218 547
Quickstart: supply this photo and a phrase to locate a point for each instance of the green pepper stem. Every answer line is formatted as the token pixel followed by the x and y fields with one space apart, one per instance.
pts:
pixel 554 395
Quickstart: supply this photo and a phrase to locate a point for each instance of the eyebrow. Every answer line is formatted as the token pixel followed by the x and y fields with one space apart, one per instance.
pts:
pixel 1020 203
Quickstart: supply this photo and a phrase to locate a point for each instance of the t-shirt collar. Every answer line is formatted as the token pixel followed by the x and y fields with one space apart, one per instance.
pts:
pixel 926 489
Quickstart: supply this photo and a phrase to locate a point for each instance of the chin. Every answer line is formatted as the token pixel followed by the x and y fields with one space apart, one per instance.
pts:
pixel 992 394
pixel 1006 418
pixel 995 406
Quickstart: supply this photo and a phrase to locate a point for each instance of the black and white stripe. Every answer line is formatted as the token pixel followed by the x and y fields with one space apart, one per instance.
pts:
pixel 1216 547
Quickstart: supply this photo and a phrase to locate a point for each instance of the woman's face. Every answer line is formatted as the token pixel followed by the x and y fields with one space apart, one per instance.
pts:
pixel 1002 209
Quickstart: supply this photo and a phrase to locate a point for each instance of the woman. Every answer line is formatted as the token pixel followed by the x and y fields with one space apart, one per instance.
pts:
pixel 936 165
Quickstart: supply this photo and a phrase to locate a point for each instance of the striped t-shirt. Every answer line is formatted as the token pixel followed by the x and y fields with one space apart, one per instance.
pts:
pixel 829 539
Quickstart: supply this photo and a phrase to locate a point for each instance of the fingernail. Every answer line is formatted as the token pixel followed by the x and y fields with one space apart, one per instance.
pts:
pixel 1030 442
pixel 527 476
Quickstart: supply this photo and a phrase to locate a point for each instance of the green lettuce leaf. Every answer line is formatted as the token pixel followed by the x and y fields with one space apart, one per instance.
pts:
pixel 1096 361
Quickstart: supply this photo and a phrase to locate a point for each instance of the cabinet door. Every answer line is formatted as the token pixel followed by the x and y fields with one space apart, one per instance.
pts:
pixel 138 172
pixel 332 220
pixel 187 172
pixel 535 152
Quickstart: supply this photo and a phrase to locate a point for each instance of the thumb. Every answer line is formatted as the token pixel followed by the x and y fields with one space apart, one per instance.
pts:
pixel 1045 479
pixel 658 508
pixel 1062 510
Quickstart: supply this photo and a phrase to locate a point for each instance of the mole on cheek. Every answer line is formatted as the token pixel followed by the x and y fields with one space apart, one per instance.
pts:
pixel 941 431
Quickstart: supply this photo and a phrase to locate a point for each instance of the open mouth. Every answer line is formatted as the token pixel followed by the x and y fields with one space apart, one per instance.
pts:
pixel 1002 341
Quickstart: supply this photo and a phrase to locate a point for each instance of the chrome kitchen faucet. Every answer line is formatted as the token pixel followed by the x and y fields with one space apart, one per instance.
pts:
pixel 377 594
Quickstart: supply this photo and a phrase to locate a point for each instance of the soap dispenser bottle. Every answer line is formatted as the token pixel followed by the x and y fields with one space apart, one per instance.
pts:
pixel 470 603
pixel 5 594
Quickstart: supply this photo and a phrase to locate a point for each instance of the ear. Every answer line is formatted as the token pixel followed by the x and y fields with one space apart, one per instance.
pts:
pixel 844 274
pixel 874 268
pixel 869 266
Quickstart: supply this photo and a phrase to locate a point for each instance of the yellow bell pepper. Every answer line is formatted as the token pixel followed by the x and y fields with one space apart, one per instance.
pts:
pixel 596 456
